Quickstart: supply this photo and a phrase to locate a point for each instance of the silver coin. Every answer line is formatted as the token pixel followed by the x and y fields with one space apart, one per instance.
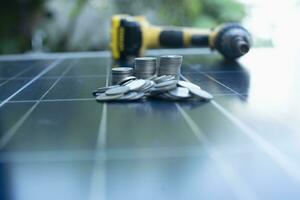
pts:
pixel 128 78
pixel 120 73
pixel 104 97
pixel 117 90
pixel 170 65
pixel 188 84
pixel 136 84
pixel 180 92
pixel 167 96
pixel 201 93
pixel 167 78
pixel 155 90
pixel 152 77
pixel 166 83
pixel 158 78
pixel 171 58
pixel 103 89
pixel 147 86
pixel 126 83
pixel 121 70
pixel 129 96
pixel 140 95
pixel 145 67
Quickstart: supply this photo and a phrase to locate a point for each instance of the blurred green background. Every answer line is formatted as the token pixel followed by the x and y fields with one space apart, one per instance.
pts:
pixel 81 25
pixel 84 25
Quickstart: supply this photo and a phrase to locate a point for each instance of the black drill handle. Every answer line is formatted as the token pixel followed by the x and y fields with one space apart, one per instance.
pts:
pixel 176 39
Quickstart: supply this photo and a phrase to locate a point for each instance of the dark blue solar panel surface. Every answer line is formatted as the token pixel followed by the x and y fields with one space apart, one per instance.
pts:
pixel 57 142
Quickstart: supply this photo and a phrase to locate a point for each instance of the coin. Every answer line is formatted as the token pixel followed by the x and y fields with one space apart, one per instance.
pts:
pixel 117 90
pixel 136 84
pixel 166 83
pixel 129 96
pixel 129 78
pixel 201 93
pixel 103 89
pixel 164 78
pixel 187 84
pixel 144 67
pixel 120 73
pixel 180 92
pixel 104 97
pixel 170 65
pixel 140 95
pixel 147 86
pixel 158 90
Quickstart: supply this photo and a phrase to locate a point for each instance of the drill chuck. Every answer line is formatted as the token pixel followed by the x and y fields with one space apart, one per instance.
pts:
pixel 232 41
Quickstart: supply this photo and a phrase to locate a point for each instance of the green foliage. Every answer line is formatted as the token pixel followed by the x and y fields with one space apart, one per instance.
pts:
pixel 17 20
pixel 205 13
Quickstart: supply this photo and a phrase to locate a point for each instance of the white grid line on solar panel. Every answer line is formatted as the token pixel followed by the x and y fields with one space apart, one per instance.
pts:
pixel 218 82
pixel 98 178
pixel 54 77
pixel 101 140
pixel 15 76
pixel 47 69
pixel 284 161
pixel 198 69
pixel 6 137
pixel 238 186
pixel 242 95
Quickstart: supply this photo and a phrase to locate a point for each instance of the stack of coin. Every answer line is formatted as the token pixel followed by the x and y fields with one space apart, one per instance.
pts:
pixel 120 73
pixel 144 67
pixel 170 65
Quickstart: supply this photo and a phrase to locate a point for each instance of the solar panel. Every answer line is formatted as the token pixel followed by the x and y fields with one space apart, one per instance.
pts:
pixel 57 142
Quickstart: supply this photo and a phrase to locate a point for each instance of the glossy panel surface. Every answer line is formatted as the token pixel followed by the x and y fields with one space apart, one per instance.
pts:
pixel 57 142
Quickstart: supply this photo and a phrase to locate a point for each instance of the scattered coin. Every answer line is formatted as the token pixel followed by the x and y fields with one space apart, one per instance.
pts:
pixel 166 83
pixel 147 86
pixel 140 95
pixel 159 90
pixel 135 84
pixel 180 92
pixel 129 78
pixel 187 84
pixel 201 93
pixel 103 89
pixel 104 97
pixel 117 90
pixel 129 95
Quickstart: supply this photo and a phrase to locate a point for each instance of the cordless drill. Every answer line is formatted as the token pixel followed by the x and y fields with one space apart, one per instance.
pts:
pixel 132 35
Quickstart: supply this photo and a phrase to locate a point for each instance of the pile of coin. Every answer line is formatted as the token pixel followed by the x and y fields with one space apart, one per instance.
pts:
pixel 164 87
pixel 120 73
pixel 169 65
pixel 146 84
pixel 144 67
